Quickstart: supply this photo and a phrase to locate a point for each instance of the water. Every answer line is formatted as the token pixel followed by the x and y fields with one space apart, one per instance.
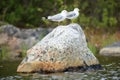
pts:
pixel 111 71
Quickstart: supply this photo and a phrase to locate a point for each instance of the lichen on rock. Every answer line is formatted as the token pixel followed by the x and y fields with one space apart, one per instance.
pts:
pixel 61 49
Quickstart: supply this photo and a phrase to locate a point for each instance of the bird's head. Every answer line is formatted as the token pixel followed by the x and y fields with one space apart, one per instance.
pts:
pixel 76 9
pixel 64 12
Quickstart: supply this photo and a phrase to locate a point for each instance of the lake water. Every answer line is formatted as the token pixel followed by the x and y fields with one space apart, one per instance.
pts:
pixel 111 71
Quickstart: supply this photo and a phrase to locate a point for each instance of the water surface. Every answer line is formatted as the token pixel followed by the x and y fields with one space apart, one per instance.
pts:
pixel 111 71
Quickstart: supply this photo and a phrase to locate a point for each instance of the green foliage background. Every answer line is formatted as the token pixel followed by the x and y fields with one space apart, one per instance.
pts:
pixel 29 13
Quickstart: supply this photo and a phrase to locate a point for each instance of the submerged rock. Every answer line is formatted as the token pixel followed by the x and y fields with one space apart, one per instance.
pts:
pixel 64 48
pixel 111 50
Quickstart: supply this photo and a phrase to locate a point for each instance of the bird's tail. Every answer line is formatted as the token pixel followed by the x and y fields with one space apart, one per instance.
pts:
pixel 44 18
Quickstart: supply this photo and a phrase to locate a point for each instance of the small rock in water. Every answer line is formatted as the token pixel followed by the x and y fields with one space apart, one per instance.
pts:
pixel 111 50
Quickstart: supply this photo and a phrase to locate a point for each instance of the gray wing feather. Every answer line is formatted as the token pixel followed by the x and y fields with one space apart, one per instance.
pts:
pixel 56 17
pixel 71 15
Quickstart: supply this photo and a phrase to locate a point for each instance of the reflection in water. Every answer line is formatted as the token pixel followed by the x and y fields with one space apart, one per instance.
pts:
pixel 111 71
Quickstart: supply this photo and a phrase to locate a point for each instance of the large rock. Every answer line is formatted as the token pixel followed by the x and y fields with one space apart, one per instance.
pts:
pixel 23 33
pixel 111 50
pixel 65 47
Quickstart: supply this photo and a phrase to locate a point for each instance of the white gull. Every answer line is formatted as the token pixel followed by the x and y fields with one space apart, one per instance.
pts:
pixel 73 14
pixel 58 17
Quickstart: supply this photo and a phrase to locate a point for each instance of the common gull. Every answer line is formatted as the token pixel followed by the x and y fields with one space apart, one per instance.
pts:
pixel 73 14
pixel 58 17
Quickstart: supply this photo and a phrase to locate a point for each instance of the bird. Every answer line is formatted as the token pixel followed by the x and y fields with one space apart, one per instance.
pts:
pixel 58 17
pixel 73 14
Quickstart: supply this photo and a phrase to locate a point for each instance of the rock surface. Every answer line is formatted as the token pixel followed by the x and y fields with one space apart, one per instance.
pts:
pixel 65 47
pixel 111 50
pixel 16 39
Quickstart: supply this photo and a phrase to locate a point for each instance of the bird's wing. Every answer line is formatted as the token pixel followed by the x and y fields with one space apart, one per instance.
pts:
pixel 56 17
pixel 71 14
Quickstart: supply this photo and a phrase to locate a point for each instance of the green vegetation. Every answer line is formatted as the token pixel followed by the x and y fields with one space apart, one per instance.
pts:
pixel 109 40
pixel 29 13
pixel 99 39
pixel 24 49
pixel 93 48
pixel 4 52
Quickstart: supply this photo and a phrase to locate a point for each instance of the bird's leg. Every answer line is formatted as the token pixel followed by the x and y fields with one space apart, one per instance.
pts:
pixel 72 20
pixel 58 23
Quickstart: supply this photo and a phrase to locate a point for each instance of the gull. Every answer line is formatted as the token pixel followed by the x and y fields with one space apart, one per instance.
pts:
pixel 58 17
pixel 73 14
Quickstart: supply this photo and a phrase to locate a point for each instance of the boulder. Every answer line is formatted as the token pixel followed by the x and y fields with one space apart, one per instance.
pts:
pixel 18 39
pixel 11 30
pixel 111 50
pixel 62 49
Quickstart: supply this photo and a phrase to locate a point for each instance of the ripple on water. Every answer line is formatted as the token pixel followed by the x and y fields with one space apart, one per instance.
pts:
pixel 111 71
pixel 11 78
